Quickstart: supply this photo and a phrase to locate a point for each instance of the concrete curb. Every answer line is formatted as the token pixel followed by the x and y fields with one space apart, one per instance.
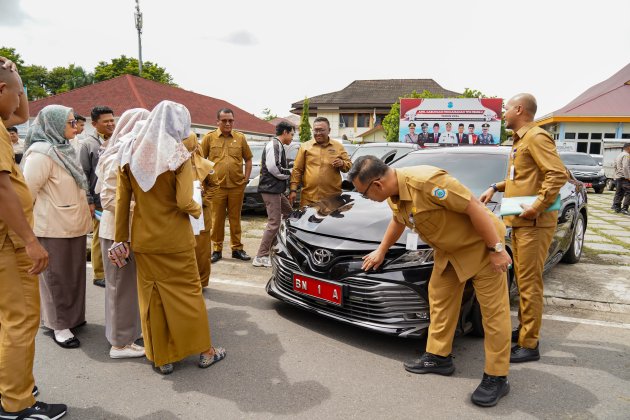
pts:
pixel 621 308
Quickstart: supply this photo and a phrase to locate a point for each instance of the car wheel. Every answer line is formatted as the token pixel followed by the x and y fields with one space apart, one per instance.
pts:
pixel 599 190
pixel 610 184
pixel 574 252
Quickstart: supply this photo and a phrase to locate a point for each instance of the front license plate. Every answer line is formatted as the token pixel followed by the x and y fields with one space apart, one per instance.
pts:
pixel 588 184
pixel 330 292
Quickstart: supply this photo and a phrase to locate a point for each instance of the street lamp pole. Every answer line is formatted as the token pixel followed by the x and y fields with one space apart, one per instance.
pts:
pixel 138 15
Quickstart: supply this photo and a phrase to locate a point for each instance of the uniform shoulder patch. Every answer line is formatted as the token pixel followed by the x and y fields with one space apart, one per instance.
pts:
pixel 439 193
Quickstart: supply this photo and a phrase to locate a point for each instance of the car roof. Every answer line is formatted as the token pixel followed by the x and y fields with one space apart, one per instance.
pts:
pixel 390 144
pixel 480 150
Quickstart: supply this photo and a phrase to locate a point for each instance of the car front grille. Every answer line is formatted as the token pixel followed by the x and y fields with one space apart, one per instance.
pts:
pixel 390 305
pixel 581 173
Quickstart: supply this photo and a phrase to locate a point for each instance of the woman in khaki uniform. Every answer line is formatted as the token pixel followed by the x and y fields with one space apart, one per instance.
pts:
pixel 204 173
pixel 155 167
pixel 62 219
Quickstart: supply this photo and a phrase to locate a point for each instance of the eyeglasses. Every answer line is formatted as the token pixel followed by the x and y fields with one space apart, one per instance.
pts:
pixel 364 193
pixel 73 123
pixel 319 130
pixel 227 121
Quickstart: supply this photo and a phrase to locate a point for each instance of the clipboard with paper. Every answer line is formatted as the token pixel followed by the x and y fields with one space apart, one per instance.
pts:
pixel 512 205
pixel 197 224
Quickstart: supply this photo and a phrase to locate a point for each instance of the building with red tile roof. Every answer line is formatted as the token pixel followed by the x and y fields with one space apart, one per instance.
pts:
pixel 601 112
pixel 127 91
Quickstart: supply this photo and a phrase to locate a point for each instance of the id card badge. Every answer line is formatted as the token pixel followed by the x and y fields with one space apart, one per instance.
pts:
pixel 412 241
pixel 512 173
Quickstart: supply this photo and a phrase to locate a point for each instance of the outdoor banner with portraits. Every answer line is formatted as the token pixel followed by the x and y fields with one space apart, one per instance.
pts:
pixel 450 121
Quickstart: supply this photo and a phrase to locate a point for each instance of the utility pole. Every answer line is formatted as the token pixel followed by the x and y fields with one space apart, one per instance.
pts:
pixel 138 15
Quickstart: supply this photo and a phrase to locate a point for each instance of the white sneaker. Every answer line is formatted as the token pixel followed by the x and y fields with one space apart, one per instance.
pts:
pixel 261 262
pixel 127 352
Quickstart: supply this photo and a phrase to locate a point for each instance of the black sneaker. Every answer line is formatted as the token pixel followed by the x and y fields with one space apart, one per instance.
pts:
pixel 520 354
pixel 39 411
pixel 490 390
pixel 431 363
pixel 625 211
pixel 99 282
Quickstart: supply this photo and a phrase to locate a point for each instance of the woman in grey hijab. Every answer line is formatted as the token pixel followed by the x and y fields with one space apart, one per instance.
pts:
pixel 62 219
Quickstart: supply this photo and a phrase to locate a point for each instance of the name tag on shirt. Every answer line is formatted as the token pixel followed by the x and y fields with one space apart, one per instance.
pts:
pixel 512 173
pixel 412 241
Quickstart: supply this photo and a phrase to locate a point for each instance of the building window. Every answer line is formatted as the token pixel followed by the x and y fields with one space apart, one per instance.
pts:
pixel 596 148
pixel 596 136
pixel 569 136
pixel 346 120
pixel 609 135
pixel 625 136
pixel 379 119
pixel 582 147
pixel 363 120
pixel 582 136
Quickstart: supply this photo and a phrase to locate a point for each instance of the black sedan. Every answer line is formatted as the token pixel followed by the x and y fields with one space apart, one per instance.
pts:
pixel 317 260
pixel 585 169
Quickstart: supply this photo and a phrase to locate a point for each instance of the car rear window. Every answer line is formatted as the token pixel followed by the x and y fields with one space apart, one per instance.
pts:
pixel 476 171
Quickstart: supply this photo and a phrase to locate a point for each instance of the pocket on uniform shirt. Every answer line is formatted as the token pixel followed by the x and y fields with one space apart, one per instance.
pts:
pixel 429 222
pixel 215 153
pixel 235 152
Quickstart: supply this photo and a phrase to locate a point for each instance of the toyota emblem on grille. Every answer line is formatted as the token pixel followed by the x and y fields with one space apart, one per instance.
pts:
pixel 322 256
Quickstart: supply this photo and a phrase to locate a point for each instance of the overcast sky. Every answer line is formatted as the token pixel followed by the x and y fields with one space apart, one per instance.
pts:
pixel 258 54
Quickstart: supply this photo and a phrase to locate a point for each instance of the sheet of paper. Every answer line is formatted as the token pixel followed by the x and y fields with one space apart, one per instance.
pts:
pixel 197 224
pixel 412 241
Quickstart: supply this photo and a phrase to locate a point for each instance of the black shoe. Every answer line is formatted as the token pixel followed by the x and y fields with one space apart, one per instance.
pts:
pixel 625 211
pixel 99 282
pixel 490 390
pixel 515 333
pixel 216 256
pixel 239 254
pixel 617 210
pixel 430 363
pixel 39 410
pixel 520 354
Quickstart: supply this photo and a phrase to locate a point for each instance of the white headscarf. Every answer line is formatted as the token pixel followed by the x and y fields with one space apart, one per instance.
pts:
pixel 126 124
pixel 158 146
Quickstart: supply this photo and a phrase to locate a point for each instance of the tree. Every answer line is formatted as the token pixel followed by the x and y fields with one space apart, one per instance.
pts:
pixel 34 78
pixel 129 65
pixel 305 124
pixel 12 55
pixel 391 121
pixel 268 115
pixel 63 79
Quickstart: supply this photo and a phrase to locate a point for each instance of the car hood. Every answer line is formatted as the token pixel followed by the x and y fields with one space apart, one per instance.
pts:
pixel 584 168
pixel 347 216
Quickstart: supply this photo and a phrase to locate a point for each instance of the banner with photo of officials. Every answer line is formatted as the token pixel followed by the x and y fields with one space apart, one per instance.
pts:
pixel 450 121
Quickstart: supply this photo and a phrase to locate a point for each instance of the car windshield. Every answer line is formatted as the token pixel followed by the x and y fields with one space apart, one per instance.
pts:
pixel 350 148
pixel 578 159
pixel 476 171
pixel 257 150
pixel 378 151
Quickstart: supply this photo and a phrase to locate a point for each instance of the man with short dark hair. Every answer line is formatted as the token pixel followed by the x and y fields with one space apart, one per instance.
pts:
pixel 534 169
pixel 462 138
pixel 318 166
pixel 274 175
pixel 468 242
pixel 18 145
pixel 228 149
pixel 435 136
pixel 21 259
pixel 621 201
pixel 472 137
pixel 90 149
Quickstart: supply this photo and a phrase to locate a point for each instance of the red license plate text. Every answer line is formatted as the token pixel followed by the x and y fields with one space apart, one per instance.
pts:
pixel 330 292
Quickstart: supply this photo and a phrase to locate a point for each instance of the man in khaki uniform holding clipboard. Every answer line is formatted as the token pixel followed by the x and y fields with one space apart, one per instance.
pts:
pixel 534 169
pixel 468 243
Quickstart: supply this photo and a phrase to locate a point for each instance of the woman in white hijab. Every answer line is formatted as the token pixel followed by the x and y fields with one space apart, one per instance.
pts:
pixel 155 167
pixel 62 219
pixel 122 316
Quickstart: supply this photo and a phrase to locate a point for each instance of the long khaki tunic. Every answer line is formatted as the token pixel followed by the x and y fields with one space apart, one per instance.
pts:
pixel 172 310
pixel 313 169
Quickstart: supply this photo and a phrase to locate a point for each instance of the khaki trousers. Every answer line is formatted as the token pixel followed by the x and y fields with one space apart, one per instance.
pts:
pixel 97 258
pixel 445 300
pixel 202 253
pixel 230 200
pixel 19 321
pixel 530 245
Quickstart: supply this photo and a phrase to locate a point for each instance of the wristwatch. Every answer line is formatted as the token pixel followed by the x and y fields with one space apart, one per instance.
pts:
pixel 494 187
pixel 498 247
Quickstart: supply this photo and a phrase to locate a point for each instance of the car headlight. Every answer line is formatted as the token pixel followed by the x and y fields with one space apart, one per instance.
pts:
pixel 282 233
pixel 600 173
pixel 412 259
pixel 254 182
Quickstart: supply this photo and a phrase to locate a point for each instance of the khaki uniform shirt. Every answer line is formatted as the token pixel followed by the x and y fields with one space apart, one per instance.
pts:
pixel 7 164
pixel 433 203
pixel 537 170
pixel 160 217
pixel 228 153
pixel 313 169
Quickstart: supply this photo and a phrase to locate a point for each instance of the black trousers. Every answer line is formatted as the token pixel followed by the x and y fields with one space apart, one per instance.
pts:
pixel 622 194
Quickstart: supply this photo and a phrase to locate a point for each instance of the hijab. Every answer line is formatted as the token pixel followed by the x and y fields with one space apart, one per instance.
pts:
pixel 46 136
pixel 158 146
pixel 202 167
